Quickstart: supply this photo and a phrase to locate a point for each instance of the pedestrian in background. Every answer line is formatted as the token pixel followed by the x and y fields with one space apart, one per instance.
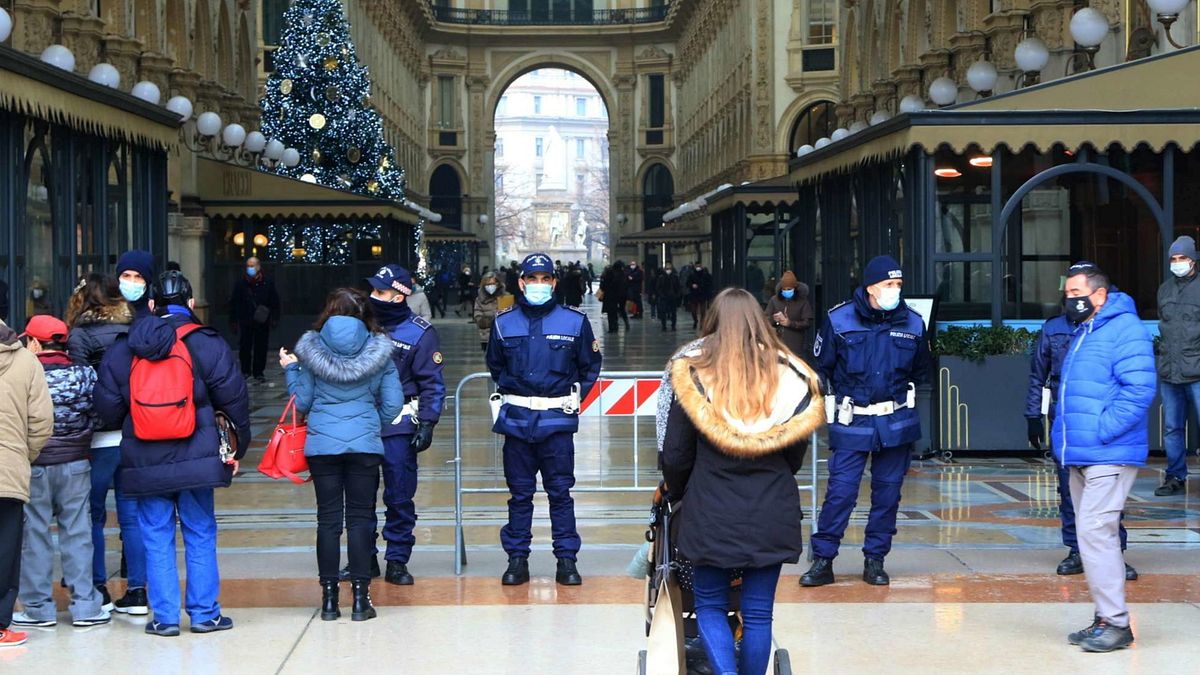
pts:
pixel 669 293
pixel 1179 360
pixel 791 313
pixel 634 283
pixel 736 434
pixel 98 317
pixel 614 288
pixel 59 489
pixel 345 381
pixel 699 293
pixel 1100 434
pixel 466 292
pixel 493 297
pixel 26 422
pixel 253 313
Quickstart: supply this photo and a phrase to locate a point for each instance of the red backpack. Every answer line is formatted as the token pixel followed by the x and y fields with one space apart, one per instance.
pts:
pixel 161 393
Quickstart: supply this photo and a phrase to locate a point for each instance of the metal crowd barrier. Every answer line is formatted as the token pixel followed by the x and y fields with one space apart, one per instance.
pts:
pixel 631 394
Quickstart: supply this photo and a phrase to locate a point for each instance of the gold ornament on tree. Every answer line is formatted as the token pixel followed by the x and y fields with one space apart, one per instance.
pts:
pixel 316 156
pixel 285 87
pixel 317 121
pixel 373 186
pixel 331 63
pixel 323 39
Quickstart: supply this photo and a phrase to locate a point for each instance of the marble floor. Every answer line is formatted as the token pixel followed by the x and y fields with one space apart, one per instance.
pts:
pixel 974 589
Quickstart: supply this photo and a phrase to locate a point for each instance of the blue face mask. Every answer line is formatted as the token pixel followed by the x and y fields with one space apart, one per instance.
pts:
pixel 538 294
pixel 788 293
pixel 889 299
pixel 132 291
pixel 251 272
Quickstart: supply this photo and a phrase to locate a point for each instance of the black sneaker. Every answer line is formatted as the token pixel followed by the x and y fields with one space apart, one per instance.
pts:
pixel 517 572
pixel 1106 638
pixel 874 574
pixel 344 573
pixel 397 573
pixel 1081 635
pixel 133 602
pixel 106 602
pixel 1170 487
pixel 213 625
pixel 568 573
pixel 1130 573
pixel 162 629
pixel 1072 564
pixel 820 574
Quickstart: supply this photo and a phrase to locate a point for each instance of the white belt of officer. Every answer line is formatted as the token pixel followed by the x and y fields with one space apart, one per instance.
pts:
pixel 409 409
pixel 877 409
pixel 569 403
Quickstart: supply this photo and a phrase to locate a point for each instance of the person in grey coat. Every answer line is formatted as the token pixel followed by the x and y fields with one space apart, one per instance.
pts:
pixel 1178 360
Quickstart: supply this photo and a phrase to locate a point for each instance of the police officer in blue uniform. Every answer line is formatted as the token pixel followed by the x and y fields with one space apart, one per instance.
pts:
pixel 872 352
pixel 1045 370
pixel 544 360
pixel 418 357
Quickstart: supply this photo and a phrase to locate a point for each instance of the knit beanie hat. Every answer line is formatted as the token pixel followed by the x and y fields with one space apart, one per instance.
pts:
pixel 788 281
pixel 1184 246
pixel 881 268
pixel 141 262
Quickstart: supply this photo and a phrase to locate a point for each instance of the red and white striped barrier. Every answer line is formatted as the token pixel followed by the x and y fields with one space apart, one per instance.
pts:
pixel 622 398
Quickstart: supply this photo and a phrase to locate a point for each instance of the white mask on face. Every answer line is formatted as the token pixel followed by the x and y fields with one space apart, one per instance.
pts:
pixel 1181 269
pixel 889 299
pixel 490 288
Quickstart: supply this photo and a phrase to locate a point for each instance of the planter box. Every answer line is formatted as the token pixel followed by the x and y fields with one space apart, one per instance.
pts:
pixel 980 406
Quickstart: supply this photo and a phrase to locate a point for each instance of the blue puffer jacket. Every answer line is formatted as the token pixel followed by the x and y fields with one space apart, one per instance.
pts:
pixel 1108 383
pixel 347 383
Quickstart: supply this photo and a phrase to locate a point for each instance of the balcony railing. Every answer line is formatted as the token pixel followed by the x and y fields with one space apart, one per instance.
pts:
pixel 551 16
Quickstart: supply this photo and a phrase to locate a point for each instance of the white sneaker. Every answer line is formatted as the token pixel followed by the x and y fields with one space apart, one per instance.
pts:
pixel 100 619
pixel 23 619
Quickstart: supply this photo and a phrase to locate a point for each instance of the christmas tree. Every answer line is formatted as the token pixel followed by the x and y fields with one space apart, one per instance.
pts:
pixel 318 101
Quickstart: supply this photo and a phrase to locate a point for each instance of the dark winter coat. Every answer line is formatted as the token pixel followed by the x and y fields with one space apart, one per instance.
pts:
pixel 740 507
pixel 572 288
pixel 633 280
pixel 1179 325
pixel 613 285
pixel 71 386
pixel 164 467
pixel 796 333
pixel 250 293
pixel 96 330
pixel 347 384
pixel 699 286
pixel 669 289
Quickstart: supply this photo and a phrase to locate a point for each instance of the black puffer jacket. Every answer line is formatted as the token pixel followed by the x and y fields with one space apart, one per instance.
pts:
pixel 93 333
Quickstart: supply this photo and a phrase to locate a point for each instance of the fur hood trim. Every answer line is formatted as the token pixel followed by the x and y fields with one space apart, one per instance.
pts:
pixel 740 440
pixel 119 313
pixel 331 366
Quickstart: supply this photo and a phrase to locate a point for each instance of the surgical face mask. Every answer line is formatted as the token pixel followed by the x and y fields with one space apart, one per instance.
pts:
pixel 467 271
pixel 132 291
pixel 788 293
pixel 490 288
pixel 251 272
pixel 669 271
pixel 1181 269
pixel 37 293
pixel 538 294
pixel 889 299
pixel 698 268
pixel 1079 309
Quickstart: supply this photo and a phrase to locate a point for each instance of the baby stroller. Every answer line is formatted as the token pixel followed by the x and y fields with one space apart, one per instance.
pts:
pixel 673 636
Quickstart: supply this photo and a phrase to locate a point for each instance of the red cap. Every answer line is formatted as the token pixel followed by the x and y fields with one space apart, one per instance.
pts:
pixel 45 328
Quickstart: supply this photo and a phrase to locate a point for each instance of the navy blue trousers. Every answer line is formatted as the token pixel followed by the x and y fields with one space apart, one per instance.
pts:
pixel 399 486
pixel 554 459
pixel 888 466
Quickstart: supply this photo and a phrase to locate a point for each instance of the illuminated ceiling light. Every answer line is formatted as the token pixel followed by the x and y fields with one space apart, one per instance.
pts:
pixel 982 161
pixel 260 240
pixel 947 172
pixel 239 239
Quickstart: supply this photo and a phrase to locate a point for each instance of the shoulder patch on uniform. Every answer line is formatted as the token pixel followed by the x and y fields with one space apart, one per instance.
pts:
pixel 576 310
pixel 838 306
pixel 596 345
pixel 817 344
pixel 506 310
pixel 437 358
pixel 421 321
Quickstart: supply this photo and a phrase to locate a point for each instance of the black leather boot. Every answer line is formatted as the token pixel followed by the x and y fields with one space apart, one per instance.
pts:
pixel 568 574
pixel 344 574
pixel 820 574
pixel 329 601
pixel 362 601
pixel 874 574
pixel 517 572
pixel 397 573
pixel 1072 564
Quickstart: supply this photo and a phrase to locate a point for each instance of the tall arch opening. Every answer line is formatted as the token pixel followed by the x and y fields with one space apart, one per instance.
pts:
pixel 658 189
pixel 445 195
pixel 551 178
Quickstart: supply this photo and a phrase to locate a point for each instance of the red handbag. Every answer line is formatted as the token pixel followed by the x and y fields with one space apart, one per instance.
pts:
pixel 284 457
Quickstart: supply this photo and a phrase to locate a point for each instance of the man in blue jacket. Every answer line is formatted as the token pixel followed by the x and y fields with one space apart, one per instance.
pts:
pixel 1045 373
pixel 174 479
pixel 1100 435
pixel 418 357
pixel 544 360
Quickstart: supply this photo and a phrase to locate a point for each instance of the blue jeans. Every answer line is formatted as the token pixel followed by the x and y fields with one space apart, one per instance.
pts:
pixel 711 588
pixel 104 469
pixel 1178 401
pixel 198 521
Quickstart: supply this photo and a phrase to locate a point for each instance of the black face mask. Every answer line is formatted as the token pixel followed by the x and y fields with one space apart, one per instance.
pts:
pixel 1078 309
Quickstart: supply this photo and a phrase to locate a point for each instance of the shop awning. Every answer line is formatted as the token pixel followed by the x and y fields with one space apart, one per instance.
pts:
pixel 32 88
pixel 1149 101
pixel 665 234
pixel 232 191
pixel 431 232
pixel 767 193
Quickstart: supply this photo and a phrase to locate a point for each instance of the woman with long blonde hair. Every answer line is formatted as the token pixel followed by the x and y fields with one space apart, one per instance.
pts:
pixel 741 413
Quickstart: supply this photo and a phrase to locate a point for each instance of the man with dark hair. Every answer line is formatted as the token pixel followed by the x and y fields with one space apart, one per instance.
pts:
pixel 253 312
pixel 1100 435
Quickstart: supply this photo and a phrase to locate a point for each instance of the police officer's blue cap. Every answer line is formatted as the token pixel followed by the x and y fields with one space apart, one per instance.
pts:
pixel 536 262
pixel 881 268
pixel 392 278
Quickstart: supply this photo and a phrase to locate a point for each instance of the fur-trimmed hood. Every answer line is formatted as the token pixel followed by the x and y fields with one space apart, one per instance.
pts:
pixel 798 409
pixel 344 351
pixel 119 313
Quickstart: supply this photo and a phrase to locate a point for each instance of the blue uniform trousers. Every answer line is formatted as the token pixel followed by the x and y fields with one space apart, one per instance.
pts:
pixel 888 466
pixel 554 459
pixel 399 486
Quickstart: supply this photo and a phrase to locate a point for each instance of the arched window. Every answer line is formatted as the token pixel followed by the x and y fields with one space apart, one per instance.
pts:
pixel 817 120
pixel 658 188
pixel 445 196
